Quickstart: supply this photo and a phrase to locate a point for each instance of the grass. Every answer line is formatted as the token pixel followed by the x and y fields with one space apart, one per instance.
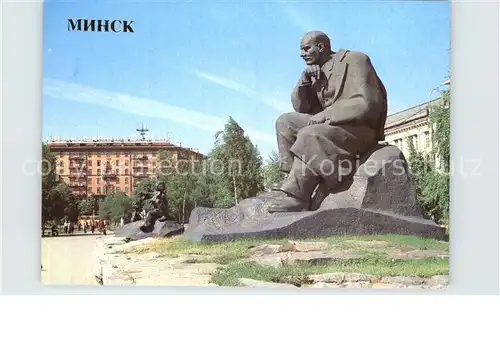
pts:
pixel 375 261
pixel 297 273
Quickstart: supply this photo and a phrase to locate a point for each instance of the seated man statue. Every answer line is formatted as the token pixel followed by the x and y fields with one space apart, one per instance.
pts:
pixel 340 111
pixel 137 207
pixel 159 211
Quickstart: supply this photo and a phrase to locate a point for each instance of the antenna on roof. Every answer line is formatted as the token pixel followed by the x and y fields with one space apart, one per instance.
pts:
pixel 142 131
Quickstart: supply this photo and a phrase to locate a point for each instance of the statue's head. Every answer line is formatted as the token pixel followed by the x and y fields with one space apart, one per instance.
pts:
pixel 160 186
pixel 315 48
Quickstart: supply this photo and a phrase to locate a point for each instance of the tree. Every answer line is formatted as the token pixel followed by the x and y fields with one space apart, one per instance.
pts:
pixel 432 180
pixel 271 171
pixel 145 186
pixel 58 201
pixel 236 163
pixel 439 120
pixel 180 175
pixel 116 206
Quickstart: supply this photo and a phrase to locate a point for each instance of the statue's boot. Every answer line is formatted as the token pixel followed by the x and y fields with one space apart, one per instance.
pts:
pixel 162 219
pixel 146 227
pixel 299 186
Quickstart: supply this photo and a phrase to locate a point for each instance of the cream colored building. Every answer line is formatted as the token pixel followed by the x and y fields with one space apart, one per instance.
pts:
pixel 411 125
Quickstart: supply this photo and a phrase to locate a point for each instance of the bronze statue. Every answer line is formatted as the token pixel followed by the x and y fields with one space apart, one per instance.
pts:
pixel 137 207
pixel 340 108
pixel 159 212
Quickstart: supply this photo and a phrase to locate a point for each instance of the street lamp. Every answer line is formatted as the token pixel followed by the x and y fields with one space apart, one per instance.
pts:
pixel 446 82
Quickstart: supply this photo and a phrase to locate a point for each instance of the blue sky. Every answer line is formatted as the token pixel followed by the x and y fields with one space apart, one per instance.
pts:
pixel 190 65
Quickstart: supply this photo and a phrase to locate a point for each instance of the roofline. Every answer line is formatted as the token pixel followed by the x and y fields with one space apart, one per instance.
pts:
pixel 409 108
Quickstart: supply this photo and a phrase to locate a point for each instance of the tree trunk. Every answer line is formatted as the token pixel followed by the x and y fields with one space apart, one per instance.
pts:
pixel 235 192
pixel 183 208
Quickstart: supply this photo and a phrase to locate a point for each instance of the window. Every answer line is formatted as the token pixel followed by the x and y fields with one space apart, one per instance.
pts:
pixel 154 164
pixel 153 154
pixel 126 189
pixel 117 155
pixel 118 188
pixel 126 162
pixel 98 189
pixel 98 172
pixel 426 140
pixel 108 163
pixel 126 170
pixel 98 180
pixel 89 153
pixel 98 163
pixel 126 154
pixel 108 154
pixel 117 171
pixel 89 180
pixel 98 154
pixel 117 162
pixel 90 163
pixel 126 180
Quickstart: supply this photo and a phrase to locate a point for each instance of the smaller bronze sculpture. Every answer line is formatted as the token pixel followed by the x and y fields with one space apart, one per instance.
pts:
pixel 159 212
pixel 137 207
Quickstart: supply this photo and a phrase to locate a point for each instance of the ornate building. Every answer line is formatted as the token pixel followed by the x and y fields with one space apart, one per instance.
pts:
pixel 99 167
pixel 411 125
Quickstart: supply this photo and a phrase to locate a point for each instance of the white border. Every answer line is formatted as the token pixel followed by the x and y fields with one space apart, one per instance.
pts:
pixel 475 125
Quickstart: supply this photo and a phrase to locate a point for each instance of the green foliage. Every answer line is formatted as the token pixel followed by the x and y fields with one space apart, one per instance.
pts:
pixel 145 186
pixel 235 166
pixel 58 202
pixel 271 172
pixel 115 206
pixel 439 119
pixel 433 181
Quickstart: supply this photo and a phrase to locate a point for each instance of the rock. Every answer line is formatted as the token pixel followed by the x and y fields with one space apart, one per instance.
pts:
pixel 310 246
pixel 131 231
pixel 417 254
pixel 274 260
pixel 262 284
pixel 403 280
pixel 386 286
pixel 264 249
pixel 337 278
pixel 356 285
pixel 379 198
pixel 438 280
pixel 359 277
pixel 324 285
pixel 319 258
pixel 310 257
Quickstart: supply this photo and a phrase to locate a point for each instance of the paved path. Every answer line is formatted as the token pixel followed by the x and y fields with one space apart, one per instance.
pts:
pixel 68 260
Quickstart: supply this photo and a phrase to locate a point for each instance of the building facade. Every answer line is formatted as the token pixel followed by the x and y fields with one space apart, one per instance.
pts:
pixel 100 167
pixel 411 125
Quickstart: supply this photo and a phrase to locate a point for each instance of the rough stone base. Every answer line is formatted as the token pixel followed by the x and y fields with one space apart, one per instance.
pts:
pixel 319 223
pixel 131 231
pixel 377 197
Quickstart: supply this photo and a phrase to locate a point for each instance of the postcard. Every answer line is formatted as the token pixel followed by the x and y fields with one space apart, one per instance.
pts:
pixel 246 144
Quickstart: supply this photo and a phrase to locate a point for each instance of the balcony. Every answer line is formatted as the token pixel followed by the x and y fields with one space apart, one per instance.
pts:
pixel 109 175
pixel 143 157
pixel 76 157
pixel 77 175
pixel 78 186
pixel 141 175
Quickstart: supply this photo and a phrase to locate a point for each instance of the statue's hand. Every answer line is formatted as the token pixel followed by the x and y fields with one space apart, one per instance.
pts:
pixel 317 119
